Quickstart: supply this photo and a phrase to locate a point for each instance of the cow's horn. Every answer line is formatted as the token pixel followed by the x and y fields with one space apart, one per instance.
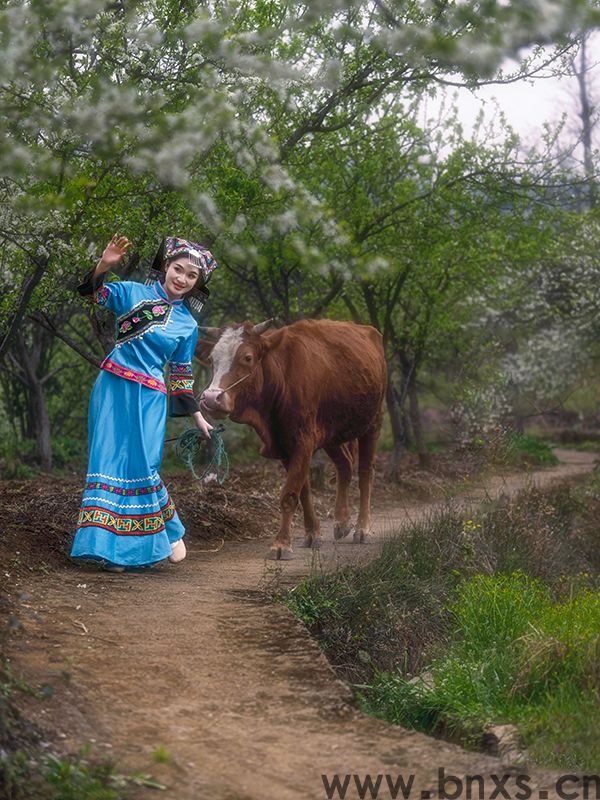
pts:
pixel 209 333
pixel 261 327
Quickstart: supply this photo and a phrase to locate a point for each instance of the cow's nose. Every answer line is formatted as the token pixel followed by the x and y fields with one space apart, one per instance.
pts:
pixel 213 398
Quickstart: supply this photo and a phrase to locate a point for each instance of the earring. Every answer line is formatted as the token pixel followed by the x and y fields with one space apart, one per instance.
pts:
pixel 196 304
pixel 153 276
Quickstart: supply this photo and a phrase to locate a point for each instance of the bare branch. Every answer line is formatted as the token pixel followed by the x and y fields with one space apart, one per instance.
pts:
pixel 45 322
pixel 26 292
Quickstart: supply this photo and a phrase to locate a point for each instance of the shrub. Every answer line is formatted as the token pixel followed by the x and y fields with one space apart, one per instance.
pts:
pixel 396 607
pixel 515 655
pixel 464 620
pixel 526 450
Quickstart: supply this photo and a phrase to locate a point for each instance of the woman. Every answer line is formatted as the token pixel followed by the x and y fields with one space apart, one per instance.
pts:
pixel 127 518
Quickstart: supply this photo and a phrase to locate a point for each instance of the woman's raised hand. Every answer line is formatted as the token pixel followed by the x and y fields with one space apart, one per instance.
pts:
pixel 114 251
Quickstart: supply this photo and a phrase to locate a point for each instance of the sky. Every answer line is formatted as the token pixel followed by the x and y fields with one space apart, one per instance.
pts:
pixel 527 104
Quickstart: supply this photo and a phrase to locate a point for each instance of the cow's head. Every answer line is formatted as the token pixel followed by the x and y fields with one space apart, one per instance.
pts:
pixel 235 355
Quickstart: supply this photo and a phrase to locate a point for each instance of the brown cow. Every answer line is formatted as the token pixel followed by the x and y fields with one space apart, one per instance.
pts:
pixel 316 383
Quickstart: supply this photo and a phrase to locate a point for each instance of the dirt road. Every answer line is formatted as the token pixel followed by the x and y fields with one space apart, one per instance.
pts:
pixel 191 658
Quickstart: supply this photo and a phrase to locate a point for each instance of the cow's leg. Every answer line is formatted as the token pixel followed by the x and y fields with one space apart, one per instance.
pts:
pixel 366 458
pixel 343 458
pixel 312 527
pixel 297 467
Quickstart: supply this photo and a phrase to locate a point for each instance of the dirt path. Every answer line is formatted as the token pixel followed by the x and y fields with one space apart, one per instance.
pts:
pixel 192 658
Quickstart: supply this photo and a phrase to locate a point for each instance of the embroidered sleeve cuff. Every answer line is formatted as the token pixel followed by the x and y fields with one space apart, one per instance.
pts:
pixel 181 405
pixel 93 286
pixel 181 389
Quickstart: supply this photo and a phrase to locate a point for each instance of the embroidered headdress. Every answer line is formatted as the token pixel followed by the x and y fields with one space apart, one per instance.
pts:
pixel 198 255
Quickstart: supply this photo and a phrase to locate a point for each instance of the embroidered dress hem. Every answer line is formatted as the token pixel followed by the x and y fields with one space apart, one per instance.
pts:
pixel 127 517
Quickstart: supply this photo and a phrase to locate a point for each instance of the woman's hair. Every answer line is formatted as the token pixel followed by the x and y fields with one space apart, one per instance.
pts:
pixel 173 247
pixel 198 255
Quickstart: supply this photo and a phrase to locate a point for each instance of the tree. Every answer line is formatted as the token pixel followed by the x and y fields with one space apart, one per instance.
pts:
pixel 157 115
pixel 587 113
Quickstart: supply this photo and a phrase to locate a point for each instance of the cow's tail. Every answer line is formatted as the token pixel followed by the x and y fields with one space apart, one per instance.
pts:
pixel 350 450
pixel 350 453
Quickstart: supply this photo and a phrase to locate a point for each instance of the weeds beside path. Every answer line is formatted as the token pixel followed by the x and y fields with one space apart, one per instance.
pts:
pixel 193 663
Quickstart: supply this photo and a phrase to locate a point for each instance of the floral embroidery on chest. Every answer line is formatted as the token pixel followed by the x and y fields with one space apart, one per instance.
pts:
pixel 141 318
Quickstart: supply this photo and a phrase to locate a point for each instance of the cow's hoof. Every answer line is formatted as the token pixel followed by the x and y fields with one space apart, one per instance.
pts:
pixel 280 554
pixel 342 529
pixel 312 541
pixel 363 537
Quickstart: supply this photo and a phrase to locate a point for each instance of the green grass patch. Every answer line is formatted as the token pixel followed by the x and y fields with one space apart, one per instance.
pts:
pixel 515 654
pixel 28 775
pixel 582 445
pixel 525 450
pixel 395 609
pixel 161 755
pixel 467 620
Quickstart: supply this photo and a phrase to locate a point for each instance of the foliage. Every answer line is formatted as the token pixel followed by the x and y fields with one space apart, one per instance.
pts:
pixel 542 315
pixel 392 609
pixel 50 777
pixel 465 620
pixel 529 450
pixel 13 459
pixel 292 140
pixel 515 655
pixel 28 772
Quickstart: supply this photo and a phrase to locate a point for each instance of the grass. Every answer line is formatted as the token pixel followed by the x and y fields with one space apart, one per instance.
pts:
pixel 161 755
pixel 27 772
pixel 28 776
pixel 584 445
pixel 396 607
pixel 469 620
pixel 525 450
pixel 514 655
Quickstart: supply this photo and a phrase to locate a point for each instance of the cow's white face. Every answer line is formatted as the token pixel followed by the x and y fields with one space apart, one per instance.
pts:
pixel 234 359
pixel 223 355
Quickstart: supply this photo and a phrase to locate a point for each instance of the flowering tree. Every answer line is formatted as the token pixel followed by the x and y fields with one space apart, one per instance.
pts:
pixel 160 115
pixel 87 86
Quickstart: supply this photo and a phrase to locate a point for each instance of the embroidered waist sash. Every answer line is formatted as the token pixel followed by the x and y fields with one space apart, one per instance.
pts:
pixel 133 375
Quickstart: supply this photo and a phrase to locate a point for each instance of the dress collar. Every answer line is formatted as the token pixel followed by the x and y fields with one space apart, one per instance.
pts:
pixel 159 289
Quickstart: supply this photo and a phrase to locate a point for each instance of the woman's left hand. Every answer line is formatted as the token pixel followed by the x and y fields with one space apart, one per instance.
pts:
pixel 203 426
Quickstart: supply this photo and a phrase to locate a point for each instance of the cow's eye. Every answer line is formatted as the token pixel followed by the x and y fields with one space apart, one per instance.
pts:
pixel 248 358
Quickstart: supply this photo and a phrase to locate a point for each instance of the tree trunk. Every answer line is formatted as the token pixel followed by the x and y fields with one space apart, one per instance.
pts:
pixel 394 408
pixel 415 422
pixel 37 411
pixel 586 113
pixel 408 435
pixel 43 437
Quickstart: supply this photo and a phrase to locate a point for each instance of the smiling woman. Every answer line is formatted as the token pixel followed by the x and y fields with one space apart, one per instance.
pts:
pixel 183 268
pixel 180 277
pixel 127 518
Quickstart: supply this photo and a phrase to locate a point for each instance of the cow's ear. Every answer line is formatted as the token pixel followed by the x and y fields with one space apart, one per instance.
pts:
pixel 212 334
pixel 270 341
pixel 204 347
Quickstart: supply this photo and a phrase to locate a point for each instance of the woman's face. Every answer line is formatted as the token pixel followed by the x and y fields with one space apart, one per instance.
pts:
pixel 180 277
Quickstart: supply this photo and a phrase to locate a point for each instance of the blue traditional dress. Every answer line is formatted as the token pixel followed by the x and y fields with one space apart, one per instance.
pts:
pixel 127 516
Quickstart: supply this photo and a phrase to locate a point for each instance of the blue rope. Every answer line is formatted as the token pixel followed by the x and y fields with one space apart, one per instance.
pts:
pixel 208 455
